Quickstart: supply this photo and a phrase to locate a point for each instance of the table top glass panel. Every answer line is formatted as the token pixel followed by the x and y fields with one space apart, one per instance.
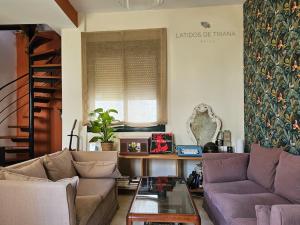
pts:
pixel 162 195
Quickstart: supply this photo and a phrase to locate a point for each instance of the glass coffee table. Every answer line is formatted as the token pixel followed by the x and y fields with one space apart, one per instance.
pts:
pixel 163 199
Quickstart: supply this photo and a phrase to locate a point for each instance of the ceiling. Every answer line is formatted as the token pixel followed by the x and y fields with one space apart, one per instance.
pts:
pixel 34 12
pixel 91 6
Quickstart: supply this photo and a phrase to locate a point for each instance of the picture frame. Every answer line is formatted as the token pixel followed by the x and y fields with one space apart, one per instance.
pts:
pixel 134 146
pixel 162 143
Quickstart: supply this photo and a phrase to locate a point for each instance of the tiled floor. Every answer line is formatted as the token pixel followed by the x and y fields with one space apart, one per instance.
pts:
pixel 125 200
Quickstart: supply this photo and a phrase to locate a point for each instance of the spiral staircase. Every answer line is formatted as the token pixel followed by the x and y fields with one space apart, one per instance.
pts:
pixel 37 92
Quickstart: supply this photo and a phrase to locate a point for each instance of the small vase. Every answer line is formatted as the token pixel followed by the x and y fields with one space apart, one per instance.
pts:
pixel 107 146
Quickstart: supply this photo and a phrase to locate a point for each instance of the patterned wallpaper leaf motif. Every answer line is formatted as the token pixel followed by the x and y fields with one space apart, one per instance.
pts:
pixel 272 73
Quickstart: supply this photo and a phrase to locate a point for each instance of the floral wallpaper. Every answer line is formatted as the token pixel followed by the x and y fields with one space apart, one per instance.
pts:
pixel 272 73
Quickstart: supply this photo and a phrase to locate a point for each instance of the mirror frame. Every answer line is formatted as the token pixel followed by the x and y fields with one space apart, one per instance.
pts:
pixel 215 119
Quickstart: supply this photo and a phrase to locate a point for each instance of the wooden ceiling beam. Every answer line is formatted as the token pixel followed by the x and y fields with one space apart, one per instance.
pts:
pixel 69 10
pixel 10 27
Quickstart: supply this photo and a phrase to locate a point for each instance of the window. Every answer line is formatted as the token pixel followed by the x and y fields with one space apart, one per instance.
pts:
pixel 126 70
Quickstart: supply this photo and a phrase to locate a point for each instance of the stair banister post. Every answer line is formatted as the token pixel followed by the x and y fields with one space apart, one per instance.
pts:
pixel 31 103
pixel 2 156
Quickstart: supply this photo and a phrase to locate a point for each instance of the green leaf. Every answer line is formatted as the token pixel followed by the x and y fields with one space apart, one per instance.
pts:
pixel 95 129
pixel 98 110
pixel 95 139
pixel 91 114
pixel 113 111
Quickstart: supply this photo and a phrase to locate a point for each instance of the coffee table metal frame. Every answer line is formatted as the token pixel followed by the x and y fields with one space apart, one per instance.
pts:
pixel 163 217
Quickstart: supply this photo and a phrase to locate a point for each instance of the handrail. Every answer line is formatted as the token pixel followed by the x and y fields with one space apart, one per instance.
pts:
pixel 11 82
pixel 13 91
pixel 10 104
pixel 13 112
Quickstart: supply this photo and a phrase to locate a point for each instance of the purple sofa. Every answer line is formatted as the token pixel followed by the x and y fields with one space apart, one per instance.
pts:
pixel 260 188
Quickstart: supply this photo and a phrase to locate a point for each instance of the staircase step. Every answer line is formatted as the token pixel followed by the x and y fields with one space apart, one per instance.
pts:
pixel 41 99
pixel 38 39
pixel 16 149
pixel 40 108
pixel 46 99
pixel 42 118
pixel 23 128
pixel 46 78
pixel 16 138
pixel 44 89
pixel 45 67
pixel 45 54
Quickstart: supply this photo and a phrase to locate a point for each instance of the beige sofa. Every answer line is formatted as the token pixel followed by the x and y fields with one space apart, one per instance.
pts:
pixel 50 203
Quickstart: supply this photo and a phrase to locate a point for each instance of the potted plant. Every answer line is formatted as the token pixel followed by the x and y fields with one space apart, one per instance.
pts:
pixel 102 124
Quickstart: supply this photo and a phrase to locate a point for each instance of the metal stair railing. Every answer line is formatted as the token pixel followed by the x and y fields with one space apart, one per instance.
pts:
pixel 24 85
pixel 15 80
pixel 10 93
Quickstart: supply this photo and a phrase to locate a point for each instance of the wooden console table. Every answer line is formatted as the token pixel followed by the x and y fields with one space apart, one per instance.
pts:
pixel 144 159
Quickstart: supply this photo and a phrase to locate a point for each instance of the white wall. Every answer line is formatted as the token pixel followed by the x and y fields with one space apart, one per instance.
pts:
pixel 200 69
pixel 8 60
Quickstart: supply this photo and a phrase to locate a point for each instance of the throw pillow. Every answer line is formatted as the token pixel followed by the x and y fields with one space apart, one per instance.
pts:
pixel 95 169
pixel 59 165
pixel 35 169
pixel 232 169
pixel 262 165
pixel 85 207
pixel 263 214
pixel 19 177
pixel 287 179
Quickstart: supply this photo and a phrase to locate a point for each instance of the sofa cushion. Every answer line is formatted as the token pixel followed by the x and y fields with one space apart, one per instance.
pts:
pixel 243 206
pixel 34 169
pixel 237 187
pixel 99 187
pixel 85 207
pixel 59 165
pixel 233 169
pixel 262 165
pixel 263 213
pixel 95 169
pixel 287 179
pixel 244 221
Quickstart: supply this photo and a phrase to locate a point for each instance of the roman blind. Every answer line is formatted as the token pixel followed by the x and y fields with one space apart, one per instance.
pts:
pixel 127 70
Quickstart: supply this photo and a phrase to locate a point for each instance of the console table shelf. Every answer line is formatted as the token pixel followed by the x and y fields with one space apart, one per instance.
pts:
pixel 144 159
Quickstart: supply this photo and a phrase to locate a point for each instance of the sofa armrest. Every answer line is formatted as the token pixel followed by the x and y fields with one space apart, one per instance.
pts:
pixel 84 156
pixel 224 167
pixel 36 203
pixel 285 215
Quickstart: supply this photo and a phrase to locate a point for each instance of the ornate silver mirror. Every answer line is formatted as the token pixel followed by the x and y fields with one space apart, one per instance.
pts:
pixel 203 126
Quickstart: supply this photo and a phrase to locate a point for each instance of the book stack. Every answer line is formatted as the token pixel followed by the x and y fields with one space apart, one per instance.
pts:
pixel 134 182
pixel 126 183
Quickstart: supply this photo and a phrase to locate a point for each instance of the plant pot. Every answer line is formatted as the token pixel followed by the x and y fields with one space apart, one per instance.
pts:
pixel 107 146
